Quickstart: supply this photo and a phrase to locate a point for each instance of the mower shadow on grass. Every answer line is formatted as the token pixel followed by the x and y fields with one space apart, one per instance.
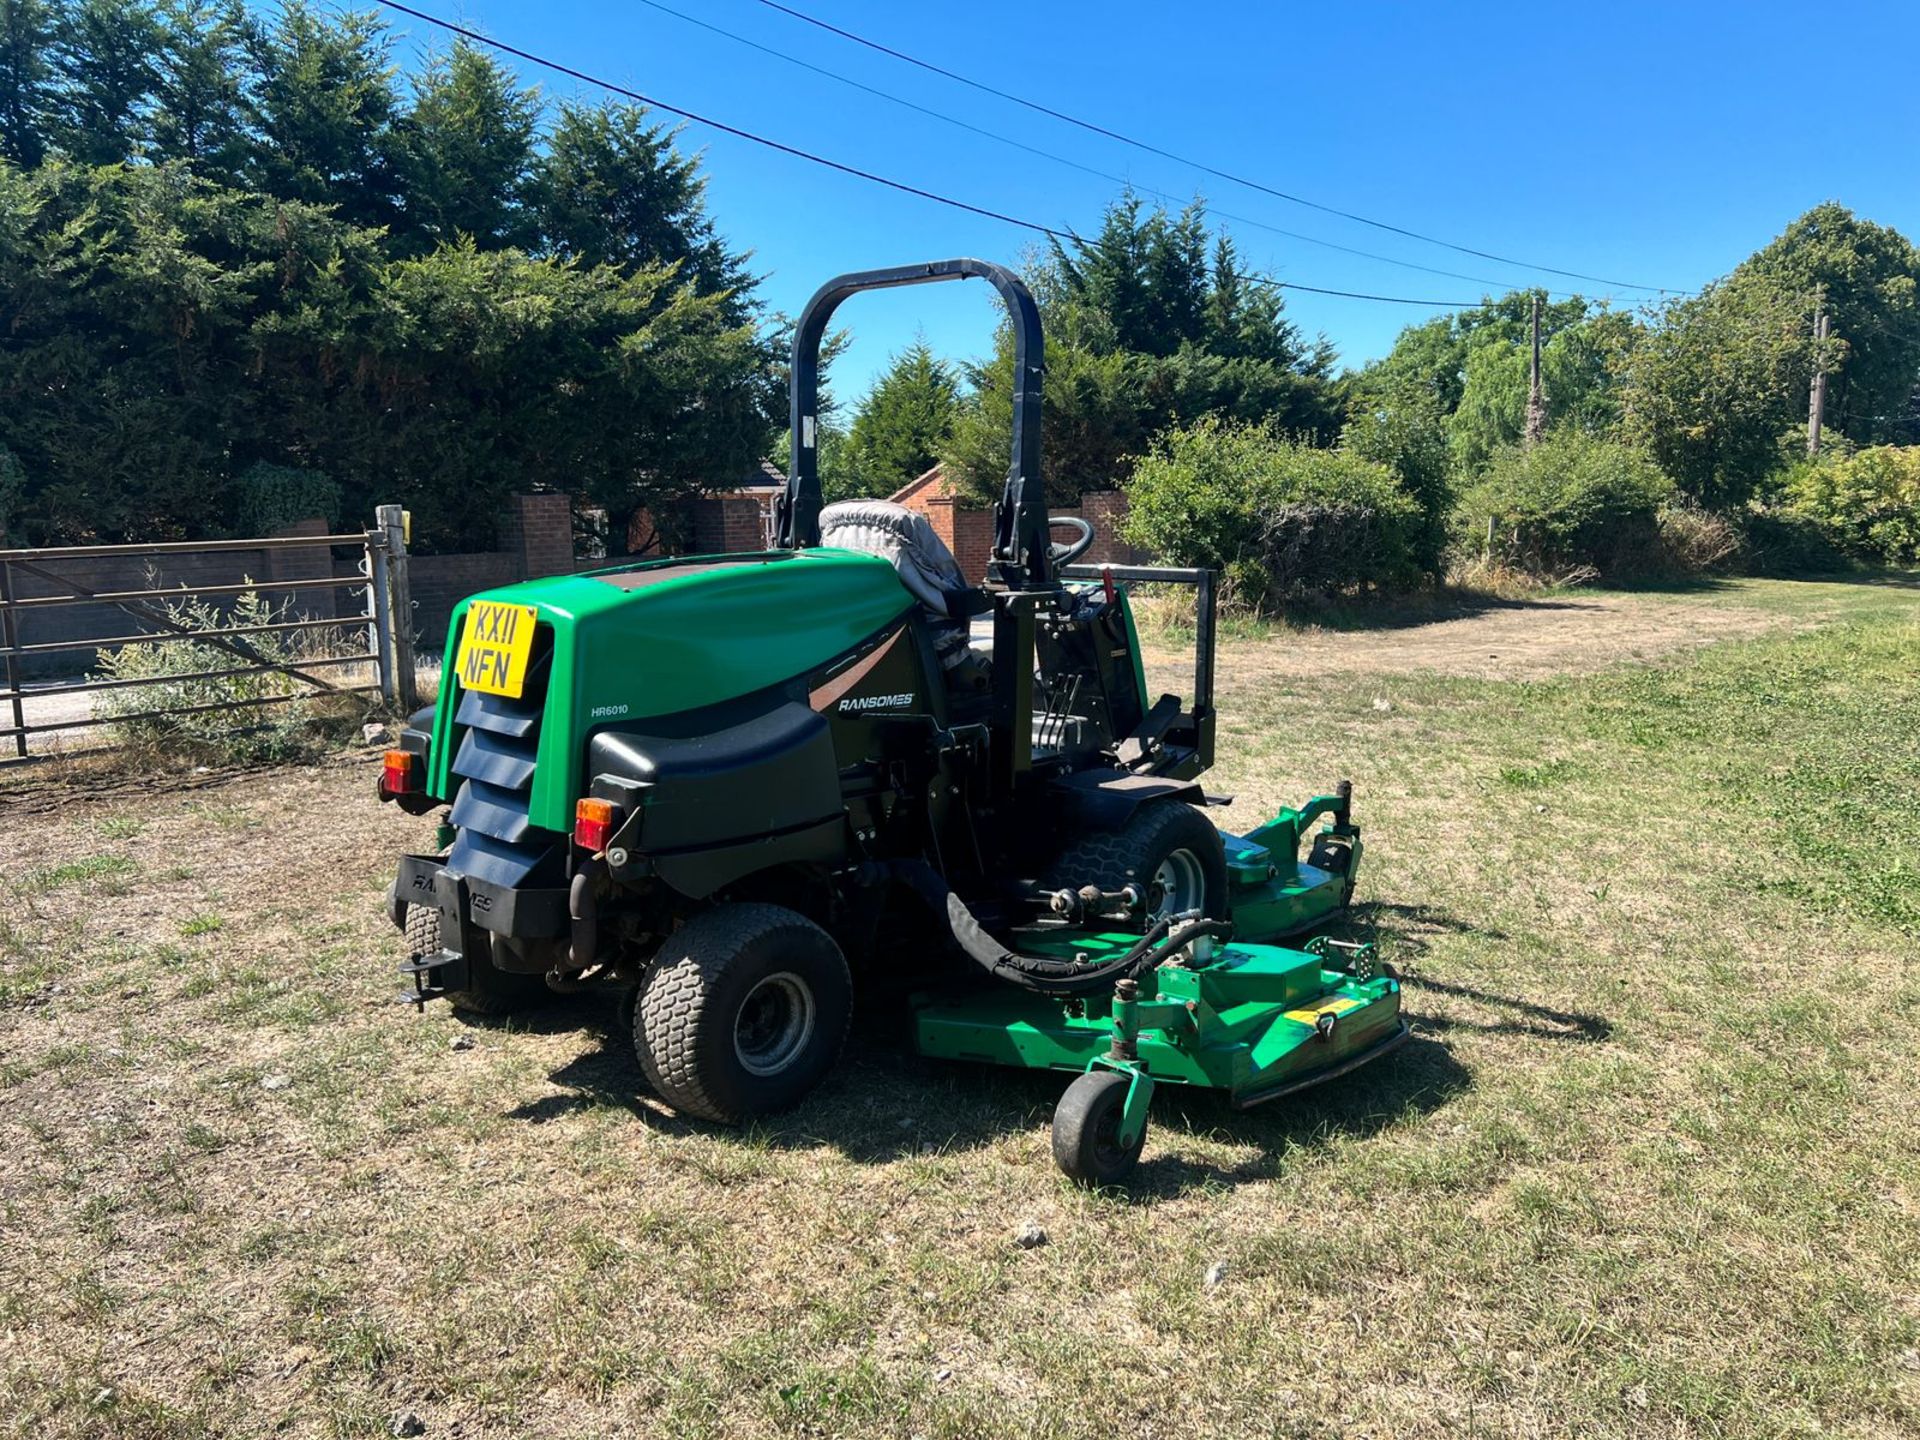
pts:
pixel 885 1105
pixel 1407 930
pixel 1403 930
pixel 1541 1022
pixel 1418 1079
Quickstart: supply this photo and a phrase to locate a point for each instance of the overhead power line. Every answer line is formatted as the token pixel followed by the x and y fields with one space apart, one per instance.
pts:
pixel 1119 180
pixel 1034 226
pixel 1202 165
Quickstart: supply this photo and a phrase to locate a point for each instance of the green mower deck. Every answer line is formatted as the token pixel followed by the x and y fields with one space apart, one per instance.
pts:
pixel 1250 1018
pixel 1256 1021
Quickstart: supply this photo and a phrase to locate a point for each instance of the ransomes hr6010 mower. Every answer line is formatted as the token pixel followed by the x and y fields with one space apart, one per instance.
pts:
pixel 731 785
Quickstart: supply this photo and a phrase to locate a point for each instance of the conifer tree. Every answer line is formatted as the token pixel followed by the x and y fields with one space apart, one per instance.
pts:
pixel 469 150
pixel 905 422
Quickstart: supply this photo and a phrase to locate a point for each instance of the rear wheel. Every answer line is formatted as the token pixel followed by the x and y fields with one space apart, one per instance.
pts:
pixel 1168 850
pixel 743 1013
pixel 490 990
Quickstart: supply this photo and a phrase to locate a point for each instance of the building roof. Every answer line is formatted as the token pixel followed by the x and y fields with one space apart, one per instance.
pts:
pixel 763 481
pixel 930 486
pixel 764 477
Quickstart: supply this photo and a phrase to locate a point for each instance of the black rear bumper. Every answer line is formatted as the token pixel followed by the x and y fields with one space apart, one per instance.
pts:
pixel 472 913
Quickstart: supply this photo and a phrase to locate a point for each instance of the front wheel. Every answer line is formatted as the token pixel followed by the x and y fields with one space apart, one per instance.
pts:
pixel 743 1013
pixel 1167 850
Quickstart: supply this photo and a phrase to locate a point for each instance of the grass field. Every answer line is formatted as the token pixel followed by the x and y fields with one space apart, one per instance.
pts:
pixel 1650 1166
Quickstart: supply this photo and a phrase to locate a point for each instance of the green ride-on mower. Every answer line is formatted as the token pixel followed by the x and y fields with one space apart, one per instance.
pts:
pixel 742 789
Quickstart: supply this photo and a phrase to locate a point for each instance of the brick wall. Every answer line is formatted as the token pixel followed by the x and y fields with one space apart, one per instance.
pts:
pixel 968 533
pixel 536 539
pixel 440 582
pixel 539 529
pixel 1106 511
pixel 728 524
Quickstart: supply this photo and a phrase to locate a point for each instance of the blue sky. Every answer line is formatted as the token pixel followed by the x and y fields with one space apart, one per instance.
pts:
pixel 1654 143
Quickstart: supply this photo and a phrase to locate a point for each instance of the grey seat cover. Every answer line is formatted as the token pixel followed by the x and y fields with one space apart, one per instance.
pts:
pixel 902 538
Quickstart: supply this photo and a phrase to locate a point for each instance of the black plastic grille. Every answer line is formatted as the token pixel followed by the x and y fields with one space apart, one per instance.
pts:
pixel 497 841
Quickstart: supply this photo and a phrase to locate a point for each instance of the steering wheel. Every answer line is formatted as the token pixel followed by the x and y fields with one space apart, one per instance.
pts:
pixel 1062 555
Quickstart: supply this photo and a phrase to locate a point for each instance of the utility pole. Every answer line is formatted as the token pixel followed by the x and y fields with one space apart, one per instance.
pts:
pixel 1536 395
pixel 1817 392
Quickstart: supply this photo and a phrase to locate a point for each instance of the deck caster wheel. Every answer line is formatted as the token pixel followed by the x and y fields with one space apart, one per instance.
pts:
pixel 1086 1130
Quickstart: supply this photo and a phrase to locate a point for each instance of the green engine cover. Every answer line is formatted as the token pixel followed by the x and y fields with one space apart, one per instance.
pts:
pixel 665 636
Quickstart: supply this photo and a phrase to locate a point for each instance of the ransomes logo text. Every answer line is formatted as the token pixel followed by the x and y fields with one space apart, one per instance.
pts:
pixel 876 702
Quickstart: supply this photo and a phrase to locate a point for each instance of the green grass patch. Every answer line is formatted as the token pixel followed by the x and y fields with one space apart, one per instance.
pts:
pixel 1535 777
pixel 105 873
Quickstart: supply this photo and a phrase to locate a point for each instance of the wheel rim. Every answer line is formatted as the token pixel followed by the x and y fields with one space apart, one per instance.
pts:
pixel 1108 1153
pixel 774 1024
pixel 1178 885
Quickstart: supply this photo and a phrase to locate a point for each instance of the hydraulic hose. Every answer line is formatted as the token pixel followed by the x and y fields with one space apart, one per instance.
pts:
pixel 1044 973
pixel 1066 977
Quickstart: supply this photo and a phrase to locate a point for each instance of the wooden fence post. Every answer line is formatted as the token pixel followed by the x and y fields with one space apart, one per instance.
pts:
pixel 393 527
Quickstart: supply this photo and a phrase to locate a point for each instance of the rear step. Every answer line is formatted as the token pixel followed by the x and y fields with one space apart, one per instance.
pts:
pixel 421 971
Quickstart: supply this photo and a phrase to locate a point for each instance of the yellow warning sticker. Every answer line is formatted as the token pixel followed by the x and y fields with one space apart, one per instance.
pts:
pixel 1337 1005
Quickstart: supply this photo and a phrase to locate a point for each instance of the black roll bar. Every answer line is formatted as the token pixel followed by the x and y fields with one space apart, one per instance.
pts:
pixel 1021 559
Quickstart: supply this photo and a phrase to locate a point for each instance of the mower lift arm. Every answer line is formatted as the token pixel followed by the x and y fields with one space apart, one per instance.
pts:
pixel 1284 833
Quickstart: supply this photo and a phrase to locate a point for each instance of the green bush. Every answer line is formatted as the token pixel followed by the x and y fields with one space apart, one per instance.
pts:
pixel 1572 506
pixel 258 727
pixel 270 497
pixel 1867 505
pixel 1406 430
pixel 1778 541
pixel 1284 521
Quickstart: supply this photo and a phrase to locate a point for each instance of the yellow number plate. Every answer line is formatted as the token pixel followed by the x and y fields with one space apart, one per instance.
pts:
pixel 494 647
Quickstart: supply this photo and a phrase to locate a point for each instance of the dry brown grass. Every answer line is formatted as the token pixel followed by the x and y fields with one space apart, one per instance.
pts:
pixel 1649 1167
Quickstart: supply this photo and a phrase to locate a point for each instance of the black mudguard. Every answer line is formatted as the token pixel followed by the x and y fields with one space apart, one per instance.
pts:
pixel 1105 799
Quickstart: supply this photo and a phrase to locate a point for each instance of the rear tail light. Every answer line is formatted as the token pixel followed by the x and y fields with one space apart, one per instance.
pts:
pixel 400 773
pixel 594 822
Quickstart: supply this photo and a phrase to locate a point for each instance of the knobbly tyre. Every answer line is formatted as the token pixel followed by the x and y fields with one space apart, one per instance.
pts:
pixel 742 789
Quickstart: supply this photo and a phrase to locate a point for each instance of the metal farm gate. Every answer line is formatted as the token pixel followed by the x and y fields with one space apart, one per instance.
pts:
pixel 36 582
